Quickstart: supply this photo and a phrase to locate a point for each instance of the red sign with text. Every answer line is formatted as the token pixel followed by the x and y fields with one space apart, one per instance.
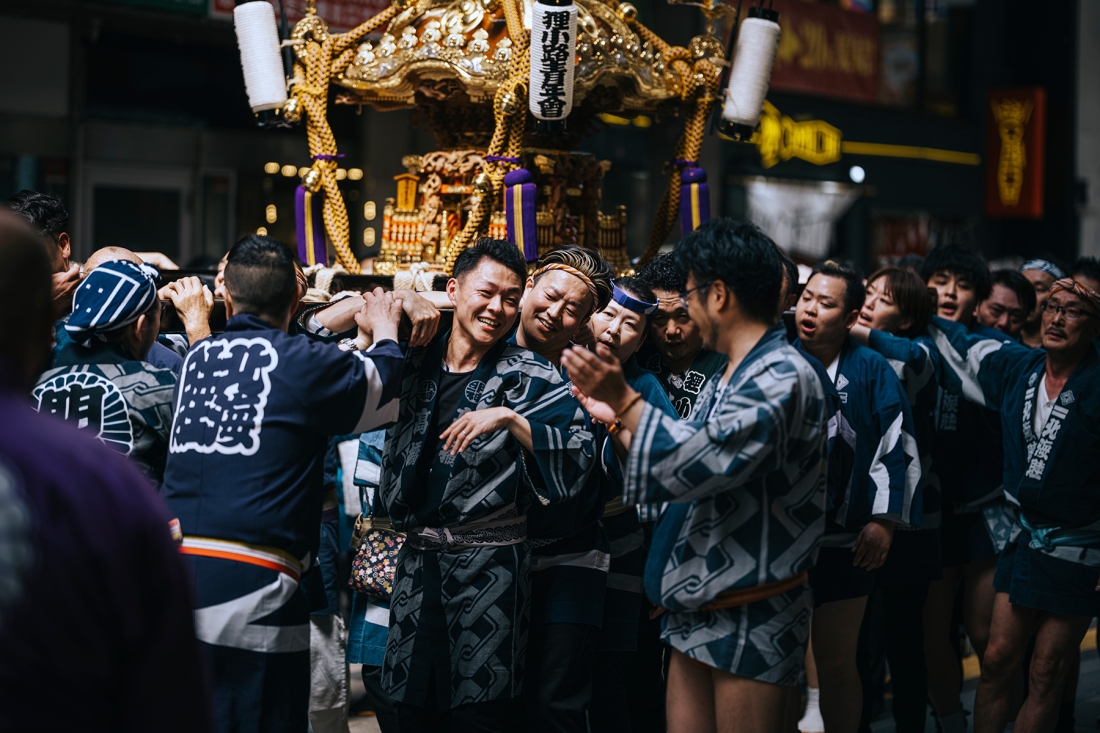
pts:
pixel 341 15
pixel 826 50
pixel 1015 135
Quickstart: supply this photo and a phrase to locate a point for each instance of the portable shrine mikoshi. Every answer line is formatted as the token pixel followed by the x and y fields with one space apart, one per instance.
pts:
pixel 497 97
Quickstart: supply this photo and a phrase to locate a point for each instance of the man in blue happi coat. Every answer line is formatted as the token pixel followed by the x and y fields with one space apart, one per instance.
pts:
pixel 480 418
pixel 883 490
pixel 1046 579
pixel 254 409
pixel 100 378
pixel 569 553
pixel 745 478
pixel 969 462
pixel 673 353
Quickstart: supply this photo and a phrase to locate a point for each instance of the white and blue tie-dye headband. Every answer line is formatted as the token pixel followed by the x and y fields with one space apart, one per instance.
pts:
pixel 1044 266
pixel 111 297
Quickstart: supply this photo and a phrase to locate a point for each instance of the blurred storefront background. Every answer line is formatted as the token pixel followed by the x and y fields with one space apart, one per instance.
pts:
pixel 891 126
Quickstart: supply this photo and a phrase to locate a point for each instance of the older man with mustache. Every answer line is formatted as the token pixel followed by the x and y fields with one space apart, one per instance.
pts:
pixel 1046 578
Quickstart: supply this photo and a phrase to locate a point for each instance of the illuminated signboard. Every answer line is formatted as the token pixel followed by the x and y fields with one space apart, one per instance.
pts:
pixel 1014 148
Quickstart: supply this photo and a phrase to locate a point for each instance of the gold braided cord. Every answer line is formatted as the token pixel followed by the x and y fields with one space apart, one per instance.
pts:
pixel 319 68
pixel 508 132
pixel 697 84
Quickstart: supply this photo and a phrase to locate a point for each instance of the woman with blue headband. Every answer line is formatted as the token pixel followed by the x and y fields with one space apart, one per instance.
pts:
pixel 621 327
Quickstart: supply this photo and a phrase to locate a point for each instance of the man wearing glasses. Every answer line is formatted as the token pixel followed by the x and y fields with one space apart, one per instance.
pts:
pixel 745 482
pixel 1047 577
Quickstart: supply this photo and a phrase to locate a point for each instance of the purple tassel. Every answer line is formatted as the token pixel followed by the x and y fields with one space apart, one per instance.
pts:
pixel 310 225
pixel 694 199
pixel 519 209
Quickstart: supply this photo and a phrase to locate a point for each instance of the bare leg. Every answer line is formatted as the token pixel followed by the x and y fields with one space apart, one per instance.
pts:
pixel 978 595
pixel 690 697
pixel 810 721
pixel 742 704
pixel 811 665
pixel 944 671
pixel 1009 633
pixel 1058 638
pixel 835 631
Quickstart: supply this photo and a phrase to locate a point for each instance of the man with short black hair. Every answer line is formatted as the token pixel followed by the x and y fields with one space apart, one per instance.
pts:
pixel 1086 270
pixel 968 459
pixel 675 350
pixel 47 215
pixel 1011 300
pixel 253 412
pixel 729 559
pixel 884 487
pixel 486 428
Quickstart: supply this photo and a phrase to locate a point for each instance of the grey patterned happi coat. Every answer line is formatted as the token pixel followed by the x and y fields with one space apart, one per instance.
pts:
pixel 484 590
pixel 745 478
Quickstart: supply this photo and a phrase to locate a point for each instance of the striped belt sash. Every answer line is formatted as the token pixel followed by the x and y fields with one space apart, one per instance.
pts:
pixel 481 533
pixel 1046 537
pixel 265 557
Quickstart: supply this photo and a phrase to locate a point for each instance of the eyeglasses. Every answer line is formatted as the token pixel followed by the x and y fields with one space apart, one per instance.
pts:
pixel 685 293
pixel 1072 312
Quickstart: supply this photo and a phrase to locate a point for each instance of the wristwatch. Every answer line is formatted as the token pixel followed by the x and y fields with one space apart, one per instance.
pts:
pixel 349 344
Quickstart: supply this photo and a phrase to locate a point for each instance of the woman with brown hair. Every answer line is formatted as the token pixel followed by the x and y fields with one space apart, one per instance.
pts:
pixel 898 304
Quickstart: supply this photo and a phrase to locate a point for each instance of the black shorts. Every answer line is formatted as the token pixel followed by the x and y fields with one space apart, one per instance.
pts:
pixel 834 578
pixel 965 538
pixel 914 558
pixel 1040 579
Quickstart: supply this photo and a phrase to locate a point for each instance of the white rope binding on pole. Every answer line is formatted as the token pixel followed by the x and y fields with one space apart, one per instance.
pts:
pixel 754 57
pixel 258 41
pixel 553 60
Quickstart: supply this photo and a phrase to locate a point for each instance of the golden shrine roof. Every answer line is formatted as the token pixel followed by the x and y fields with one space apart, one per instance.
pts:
pixel 434 45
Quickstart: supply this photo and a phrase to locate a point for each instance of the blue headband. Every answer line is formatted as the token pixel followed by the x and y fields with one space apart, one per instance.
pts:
pixel 111 297
pixel 1044 266
pixel 621 297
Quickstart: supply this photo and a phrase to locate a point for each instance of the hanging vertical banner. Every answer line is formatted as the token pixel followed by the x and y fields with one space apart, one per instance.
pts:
pixel 1015 138
pixel 553 58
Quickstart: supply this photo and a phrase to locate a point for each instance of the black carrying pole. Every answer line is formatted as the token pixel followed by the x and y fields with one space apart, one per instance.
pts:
pixel 725 77
pixel 284 34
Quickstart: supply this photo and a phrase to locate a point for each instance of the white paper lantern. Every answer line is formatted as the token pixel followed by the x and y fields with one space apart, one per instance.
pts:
pixel 258 41
pixel 753 60
pixel 553 60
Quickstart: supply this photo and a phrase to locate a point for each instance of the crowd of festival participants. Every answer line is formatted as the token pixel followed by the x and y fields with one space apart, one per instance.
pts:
pixel 649 503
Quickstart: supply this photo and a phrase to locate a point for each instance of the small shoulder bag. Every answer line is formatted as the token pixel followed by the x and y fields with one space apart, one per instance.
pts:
pixel 377 545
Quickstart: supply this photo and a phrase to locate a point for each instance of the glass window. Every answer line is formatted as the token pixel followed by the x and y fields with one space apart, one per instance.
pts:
pixel 138 219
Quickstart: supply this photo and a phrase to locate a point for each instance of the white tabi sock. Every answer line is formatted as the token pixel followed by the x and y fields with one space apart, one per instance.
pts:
pixel 954 723
pixel 811 720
